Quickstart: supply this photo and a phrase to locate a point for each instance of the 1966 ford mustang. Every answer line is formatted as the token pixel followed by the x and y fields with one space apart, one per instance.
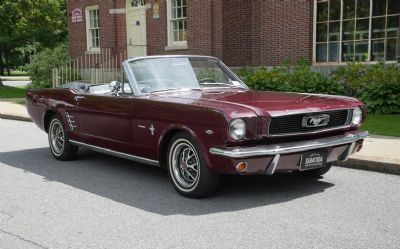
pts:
pixel 195 117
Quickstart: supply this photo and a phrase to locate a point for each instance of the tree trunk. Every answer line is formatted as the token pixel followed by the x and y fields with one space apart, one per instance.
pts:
pixel 1 63
pixel 7 63
pixel 1 68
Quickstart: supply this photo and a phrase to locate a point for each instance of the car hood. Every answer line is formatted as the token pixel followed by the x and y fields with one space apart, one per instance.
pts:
pixel 261 103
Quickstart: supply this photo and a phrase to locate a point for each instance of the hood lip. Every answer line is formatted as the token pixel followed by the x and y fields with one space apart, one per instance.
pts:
pixel 349 102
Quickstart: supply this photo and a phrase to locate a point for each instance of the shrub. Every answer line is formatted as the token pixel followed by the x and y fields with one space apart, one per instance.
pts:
pixel 378 85
pixel 290 78
pixel 42 65
pixel 381 90
pixel 351 77
pixel 302 79
pixel 267 80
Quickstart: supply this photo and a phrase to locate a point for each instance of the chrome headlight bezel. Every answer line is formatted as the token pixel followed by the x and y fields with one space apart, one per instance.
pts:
pixel 357 116
pixel 237 129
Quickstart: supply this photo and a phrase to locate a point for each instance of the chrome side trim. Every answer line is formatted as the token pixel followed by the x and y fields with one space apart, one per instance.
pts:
pixel 287 148
pixel 70 121
pixel 272 166
pixel 116 153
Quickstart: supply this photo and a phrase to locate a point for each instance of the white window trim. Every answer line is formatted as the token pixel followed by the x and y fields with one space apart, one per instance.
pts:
pixel 88 42
pixel 172 45
pixel 314 53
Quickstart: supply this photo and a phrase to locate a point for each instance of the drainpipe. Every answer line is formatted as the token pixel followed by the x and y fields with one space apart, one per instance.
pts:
pixel 115 28
pixel 212 27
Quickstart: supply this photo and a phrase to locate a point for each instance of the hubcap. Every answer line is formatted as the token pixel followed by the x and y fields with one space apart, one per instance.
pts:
pixel 185 163
pixel 57 139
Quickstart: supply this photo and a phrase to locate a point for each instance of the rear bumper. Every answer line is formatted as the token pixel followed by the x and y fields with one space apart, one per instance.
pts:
pixel 287 154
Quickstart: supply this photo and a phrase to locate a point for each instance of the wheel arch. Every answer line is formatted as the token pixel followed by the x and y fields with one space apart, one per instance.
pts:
pixel 166 138
pixel 47 118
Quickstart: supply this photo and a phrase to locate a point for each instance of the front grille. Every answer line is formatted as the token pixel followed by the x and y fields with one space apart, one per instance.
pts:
pixel 292 124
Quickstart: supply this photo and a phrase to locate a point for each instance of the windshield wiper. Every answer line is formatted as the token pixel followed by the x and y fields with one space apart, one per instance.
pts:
pixel 164 90
pixel 216 83
pixel 172 89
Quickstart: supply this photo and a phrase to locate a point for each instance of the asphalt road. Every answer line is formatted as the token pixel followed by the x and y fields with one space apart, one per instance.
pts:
pixel 99 201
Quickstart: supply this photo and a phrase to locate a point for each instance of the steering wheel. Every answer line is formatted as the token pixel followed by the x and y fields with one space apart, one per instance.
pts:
pixel 208 80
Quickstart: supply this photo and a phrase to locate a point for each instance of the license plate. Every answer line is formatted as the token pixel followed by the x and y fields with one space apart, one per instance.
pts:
pixel 313 160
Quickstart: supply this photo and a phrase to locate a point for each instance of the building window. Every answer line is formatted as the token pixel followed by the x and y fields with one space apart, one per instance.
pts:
pixel 177 23
pixel 356 30
pixel 92 29
pixel 137 3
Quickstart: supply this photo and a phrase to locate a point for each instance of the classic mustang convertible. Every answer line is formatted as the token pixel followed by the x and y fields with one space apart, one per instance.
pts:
pixel 195 117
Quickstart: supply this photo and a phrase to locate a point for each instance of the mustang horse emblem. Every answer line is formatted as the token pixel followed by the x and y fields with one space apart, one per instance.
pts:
pixel 316 121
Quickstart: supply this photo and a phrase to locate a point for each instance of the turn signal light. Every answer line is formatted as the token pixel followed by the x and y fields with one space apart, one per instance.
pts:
pixel 242 166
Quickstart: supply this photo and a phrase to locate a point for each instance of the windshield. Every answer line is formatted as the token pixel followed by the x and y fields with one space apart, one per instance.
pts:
pixel 161 74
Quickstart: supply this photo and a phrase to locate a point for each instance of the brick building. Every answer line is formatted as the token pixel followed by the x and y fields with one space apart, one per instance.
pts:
pixel 240 32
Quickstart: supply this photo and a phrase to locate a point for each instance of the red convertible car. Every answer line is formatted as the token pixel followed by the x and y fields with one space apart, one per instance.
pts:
pixel 195 117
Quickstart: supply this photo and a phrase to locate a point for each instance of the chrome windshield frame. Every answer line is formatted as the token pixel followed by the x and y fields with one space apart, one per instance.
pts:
pixel 133 82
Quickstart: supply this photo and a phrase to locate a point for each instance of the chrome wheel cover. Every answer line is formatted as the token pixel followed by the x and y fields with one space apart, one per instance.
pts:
pixel 56 137
pixel 185 164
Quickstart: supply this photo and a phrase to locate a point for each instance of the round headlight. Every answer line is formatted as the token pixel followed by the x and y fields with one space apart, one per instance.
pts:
pixel 357 116
pixel 237 129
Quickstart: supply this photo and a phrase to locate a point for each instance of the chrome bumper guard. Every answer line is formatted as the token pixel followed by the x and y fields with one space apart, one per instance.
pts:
pixel 288 148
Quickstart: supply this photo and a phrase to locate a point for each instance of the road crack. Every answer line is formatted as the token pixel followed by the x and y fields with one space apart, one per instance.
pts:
pixel 23 239
pixel 6 214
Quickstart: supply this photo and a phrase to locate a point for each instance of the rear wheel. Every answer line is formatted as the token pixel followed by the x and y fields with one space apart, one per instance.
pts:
pixel 187 169
pixel 317 172
pixel 60 147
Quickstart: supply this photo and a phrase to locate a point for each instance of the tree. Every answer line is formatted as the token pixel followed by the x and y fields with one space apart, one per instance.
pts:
pixel 28 22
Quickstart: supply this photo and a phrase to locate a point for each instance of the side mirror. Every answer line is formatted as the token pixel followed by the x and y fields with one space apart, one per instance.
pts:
pixel 115 86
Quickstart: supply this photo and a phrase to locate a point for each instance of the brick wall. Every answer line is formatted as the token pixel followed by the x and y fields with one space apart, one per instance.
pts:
pixel 240 32
pixel 112 26
pixel 204 36
pixel 238 35
pixel 283 30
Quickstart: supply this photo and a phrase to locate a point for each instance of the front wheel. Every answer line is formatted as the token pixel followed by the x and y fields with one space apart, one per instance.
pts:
pixel 60 147
pixel 187 169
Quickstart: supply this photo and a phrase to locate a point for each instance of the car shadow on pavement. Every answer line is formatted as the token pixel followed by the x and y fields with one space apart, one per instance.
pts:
pixel 148 188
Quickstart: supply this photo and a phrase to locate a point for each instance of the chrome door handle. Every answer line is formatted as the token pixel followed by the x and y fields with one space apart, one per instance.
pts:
pixel 77 98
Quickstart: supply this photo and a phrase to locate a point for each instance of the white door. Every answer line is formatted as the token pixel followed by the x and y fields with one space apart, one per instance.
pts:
pixel 136 28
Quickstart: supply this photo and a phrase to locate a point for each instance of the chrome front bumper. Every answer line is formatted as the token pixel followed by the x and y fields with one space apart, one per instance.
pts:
pixel 287 148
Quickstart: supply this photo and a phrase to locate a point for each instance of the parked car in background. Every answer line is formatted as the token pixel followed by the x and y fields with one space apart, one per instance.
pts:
pixel 195 117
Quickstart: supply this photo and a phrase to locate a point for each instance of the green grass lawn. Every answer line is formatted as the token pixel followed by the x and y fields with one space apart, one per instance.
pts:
pixel 388 125
pixel 12 92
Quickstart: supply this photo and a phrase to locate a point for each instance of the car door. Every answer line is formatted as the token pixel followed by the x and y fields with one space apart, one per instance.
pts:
pixel 106 120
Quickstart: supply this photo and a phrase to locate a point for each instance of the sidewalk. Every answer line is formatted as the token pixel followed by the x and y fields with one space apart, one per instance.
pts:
pixel 379 153
pixel 13 111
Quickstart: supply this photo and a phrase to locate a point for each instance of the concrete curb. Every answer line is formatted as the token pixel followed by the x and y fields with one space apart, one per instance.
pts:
pixel 15 117
pixel 382 167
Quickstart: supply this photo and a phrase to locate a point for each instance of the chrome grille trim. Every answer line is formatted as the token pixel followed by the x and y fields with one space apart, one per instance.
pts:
pixel 346 125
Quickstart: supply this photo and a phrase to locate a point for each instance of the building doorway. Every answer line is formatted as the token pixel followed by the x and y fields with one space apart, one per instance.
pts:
pixel 136 28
